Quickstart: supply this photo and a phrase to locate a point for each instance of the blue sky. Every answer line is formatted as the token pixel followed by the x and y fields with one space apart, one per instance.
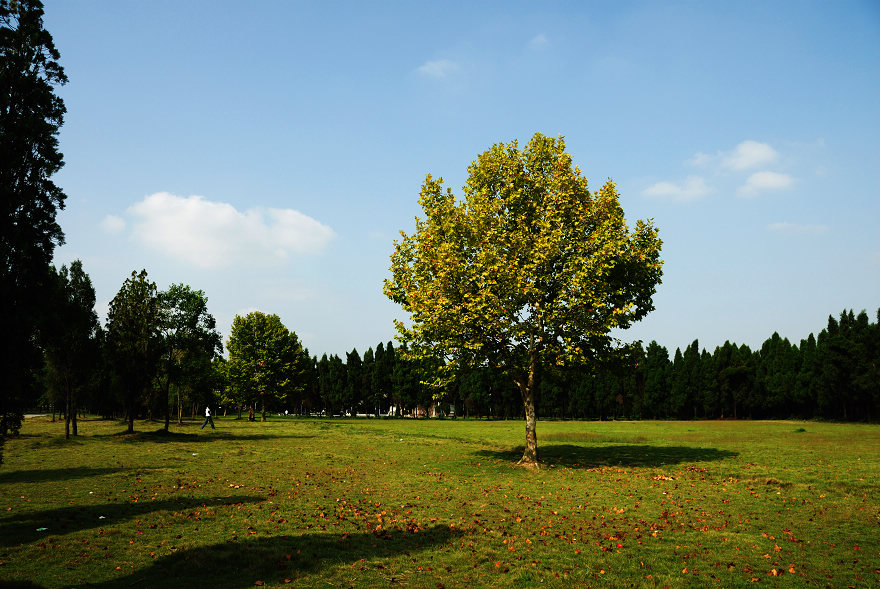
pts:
pixel 269 153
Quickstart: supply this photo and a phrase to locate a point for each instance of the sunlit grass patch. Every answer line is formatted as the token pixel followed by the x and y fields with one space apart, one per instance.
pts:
pixel 593 437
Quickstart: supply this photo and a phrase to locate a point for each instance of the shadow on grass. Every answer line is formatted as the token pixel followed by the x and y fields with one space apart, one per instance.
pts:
pixel 240 563
pixel 23 528
pixel 53 474
pixel 574 456
pixel 161 436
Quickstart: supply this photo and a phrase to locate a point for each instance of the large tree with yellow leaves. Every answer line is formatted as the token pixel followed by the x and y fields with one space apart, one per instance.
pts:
pixel 529 268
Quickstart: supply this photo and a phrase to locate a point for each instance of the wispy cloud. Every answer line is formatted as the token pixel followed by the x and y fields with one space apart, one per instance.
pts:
pixel 748 155
pixel 538 42
pixel 764 181
pixel 693 188
pixel 440 68
pixel 113 224
pixel 787 228
pixel 215 234
pixel 745 156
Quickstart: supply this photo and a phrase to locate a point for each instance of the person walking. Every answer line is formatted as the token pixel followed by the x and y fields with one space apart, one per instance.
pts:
pixel 208 419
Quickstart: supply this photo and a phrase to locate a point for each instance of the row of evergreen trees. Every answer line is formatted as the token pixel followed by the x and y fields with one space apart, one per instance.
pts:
pixel 832 376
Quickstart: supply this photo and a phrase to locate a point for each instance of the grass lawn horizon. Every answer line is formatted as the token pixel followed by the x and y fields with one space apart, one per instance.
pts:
pixel 441 503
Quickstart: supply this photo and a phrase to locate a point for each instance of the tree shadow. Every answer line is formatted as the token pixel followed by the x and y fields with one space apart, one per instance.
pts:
pixel 239 563
pixel 161 436
pixel 53 474
pixel 574 456
pixel 23 528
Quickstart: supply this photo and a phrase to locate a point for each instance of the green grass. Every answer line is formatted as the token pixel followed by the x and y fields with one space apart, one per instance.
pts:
pixel 371 503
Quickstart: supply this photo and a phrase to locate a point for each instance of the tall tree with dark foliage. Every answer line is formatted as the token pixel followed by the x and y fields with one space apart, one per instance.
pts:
pixel 30 117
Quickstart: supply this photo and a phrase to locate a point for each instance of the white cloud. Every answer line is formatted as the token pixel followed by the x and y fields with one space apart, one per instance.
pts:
pixel 113 224
pixel 538 42
pixel 749 154
pixel 439 68
pixel 763 181
pixel 693 188
pixel 787 228
pixel 214 234
pixel 700 159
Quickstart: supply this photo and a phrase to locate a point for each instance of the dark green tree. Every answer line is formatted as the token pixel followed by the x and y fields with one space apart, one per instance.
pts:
pixel 678 391
pixel 368 367
pixel 70 339
pixel 31 115
pixel 266 363
pixel 222 392
pixel 190 343
pixel 133 325
pixel 656 369
pixel 806 390
pixel 380 378
pixel 777 366
pixel 309 399
pixel 354 382
pixel 324 392
pixel 336 378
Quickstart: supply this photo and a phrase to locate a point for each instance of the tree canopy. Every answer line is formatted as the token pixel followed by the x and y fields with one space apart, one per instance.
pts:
pixel 30 116
pixel 70 338
pixel 266 360
pixel 190 343
pixel 133 324
pixel 529 268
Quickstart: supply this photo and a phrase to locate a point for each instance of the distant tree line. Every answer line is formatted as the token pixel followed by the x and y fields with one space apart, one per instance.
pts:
pixel 833 376
pixel 160 356
pixel 156 355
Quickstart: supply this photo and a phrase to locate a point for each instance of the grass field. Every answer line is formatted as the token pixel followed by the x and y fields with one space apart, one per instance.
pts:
pixel 386 503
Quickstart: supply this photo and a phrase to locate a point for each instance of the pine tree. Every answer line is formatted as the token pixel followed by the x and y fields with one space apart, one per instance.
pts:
pixel 31 115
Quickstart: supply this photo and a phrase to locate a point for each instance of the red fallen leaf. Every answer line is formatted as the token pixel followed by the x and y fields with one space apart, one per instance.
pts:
pixel 620 545
pixel 684 570
pixel 258 582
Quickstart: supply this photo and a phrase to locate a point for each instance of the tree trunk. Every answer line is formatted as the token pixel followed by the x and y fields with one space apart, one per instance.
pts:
pixel 167 408
pixel 530 455
pixel 527 389
pixel 67 404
